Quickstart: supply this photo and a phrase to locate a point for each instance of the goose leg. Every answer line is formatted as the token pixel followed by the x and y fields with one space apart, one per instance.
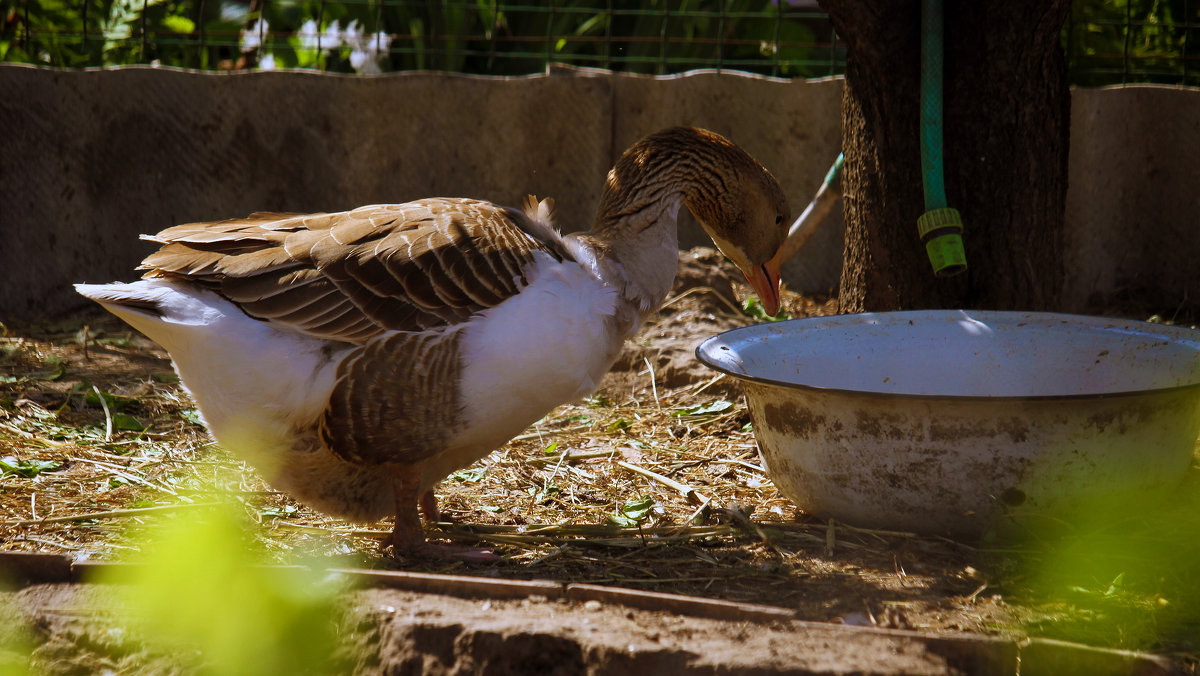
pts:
pixel 408 537
pixel 429 507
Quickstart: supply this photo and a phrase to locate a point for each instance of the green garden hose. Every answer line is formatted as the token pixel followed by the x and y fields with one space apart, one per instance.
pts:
pixel 940 227
pixel 836 170
pixel 815 213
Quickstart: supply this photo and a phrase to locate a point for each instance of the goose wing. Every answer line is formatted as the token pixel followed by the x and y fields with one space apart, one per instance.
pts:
pixel 354 275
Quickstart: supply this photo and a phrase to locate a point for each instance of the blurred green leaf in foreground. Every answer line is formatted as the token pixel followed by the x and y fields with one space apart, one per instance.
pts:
pixel 203 588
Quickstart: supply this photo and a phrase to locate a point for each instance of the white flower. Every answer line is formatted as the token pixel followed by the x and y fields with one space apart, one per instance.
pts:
pixel 308 35
pixel 267 62
pixel 352 35
pixel 333 36
pixel 252 37
pixel 233 12
pixel 366 53
pixel 380 43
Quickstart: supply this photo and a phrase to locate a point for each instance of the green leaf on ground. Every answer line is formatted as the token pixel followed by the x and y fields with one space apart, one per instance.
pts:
pixel 751 307
pixel 57 371
pixel 470 475
pixel 618 425
pixel 545 493
pixel 117 482
pixel 115 402
pixel 124 421
pixel 633 513
pixel 284 512
pixel 711 408
pixel 27 468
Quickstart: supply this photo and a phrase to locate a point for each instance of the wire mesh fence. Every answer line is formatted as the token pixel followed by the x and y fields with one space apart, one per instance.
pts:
pixel 1119 42
pixel 1107 41
pixel 469 36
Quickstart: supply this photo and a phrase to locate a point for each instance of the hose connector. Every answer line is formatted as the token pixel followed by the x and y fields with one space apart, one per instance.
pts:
pixel 941 232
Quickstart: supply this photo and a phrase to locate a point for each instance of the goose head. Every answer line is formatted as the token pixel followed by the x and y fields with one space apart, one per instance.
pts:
pixel 747 218
pixel 735 199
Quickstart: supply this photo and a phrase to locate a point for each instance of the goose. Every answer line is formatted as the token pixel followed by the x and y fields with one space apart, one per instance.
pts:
pixel 356 359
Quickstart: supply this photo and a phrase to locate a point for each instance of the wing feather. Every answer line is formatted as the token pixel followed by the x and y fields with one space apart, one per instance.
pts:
pixel 298 305
pixel 354 275
pixel 352 230
pixel 182 260
pixel 258 287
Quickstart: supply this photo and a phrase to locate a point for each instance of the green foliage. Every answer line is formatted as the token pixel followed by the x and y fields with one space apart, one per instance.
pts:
pixel 1118 41
pixel 1107 41
pixel 752 307
pixel 472 36
pixel 58 369
pixel 1118 572
pixel 203 589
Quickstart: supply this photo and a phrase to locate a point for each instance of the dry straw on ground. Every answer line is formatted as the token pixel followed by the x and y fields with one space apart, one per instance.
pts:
pixel 653 483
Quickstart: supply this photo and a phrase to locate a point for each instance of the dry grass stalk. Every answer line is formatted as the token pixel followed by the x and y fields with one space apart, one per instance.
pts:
pixel 716 525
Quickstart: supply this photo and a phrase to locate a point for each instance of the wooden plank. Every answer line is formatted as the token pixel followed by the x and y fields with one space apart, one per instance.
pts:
pixel 1047 657
pixel 677 603
pixel 26 568
pixel 454 585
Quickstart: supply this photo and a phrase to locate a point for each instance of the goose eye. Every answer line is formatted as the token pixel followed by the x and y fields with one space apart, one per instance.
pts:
pixel 778 220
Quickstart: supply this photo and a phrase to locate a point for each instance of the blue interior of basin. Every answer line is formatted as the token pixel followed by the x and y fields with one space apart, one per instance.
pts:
pixel 958 353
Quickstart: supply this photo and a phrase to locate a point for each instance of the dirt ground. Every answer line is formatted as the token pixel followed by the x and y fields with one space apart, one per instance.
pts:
pixel 390 631
pixel 100 444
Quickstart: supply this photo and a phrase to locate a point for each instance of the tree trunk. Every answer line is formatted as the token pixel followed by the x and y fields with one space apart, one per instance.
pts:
pixel 1007 117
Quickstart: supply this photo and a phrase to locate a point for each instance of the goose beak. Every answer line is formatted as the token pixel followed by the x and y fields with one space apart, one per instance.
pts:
pixel 765 281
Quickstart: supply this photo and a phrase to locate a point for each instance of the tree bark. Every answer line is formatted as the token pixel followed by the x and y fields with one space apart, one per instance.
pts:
pixel 1007 117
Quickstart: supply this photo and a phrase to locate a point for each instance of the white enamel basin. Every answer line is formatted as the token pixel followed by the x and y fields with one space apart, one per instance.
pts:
pixel 951 421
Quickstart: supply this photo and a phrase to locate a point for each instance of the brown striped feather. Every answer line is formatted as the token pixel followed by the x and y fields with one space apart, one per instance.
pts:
pixel 258 287
pixel 352 275
pixel 390 402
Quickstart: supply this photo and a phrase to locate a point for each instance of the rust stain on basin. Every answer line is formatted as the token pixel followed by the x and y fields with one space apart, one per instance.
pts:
pixel 1015 430
pixel 789 416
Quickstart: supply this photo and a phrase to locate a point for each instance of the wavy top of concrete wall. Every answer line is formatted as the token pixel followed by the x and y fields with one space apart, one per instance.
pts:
pixel 92 159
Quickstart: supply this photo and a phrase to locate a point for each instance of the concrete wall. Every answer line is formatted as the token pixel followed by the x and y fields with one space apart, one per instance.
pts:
pixel 89 160
pixel 1133 205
